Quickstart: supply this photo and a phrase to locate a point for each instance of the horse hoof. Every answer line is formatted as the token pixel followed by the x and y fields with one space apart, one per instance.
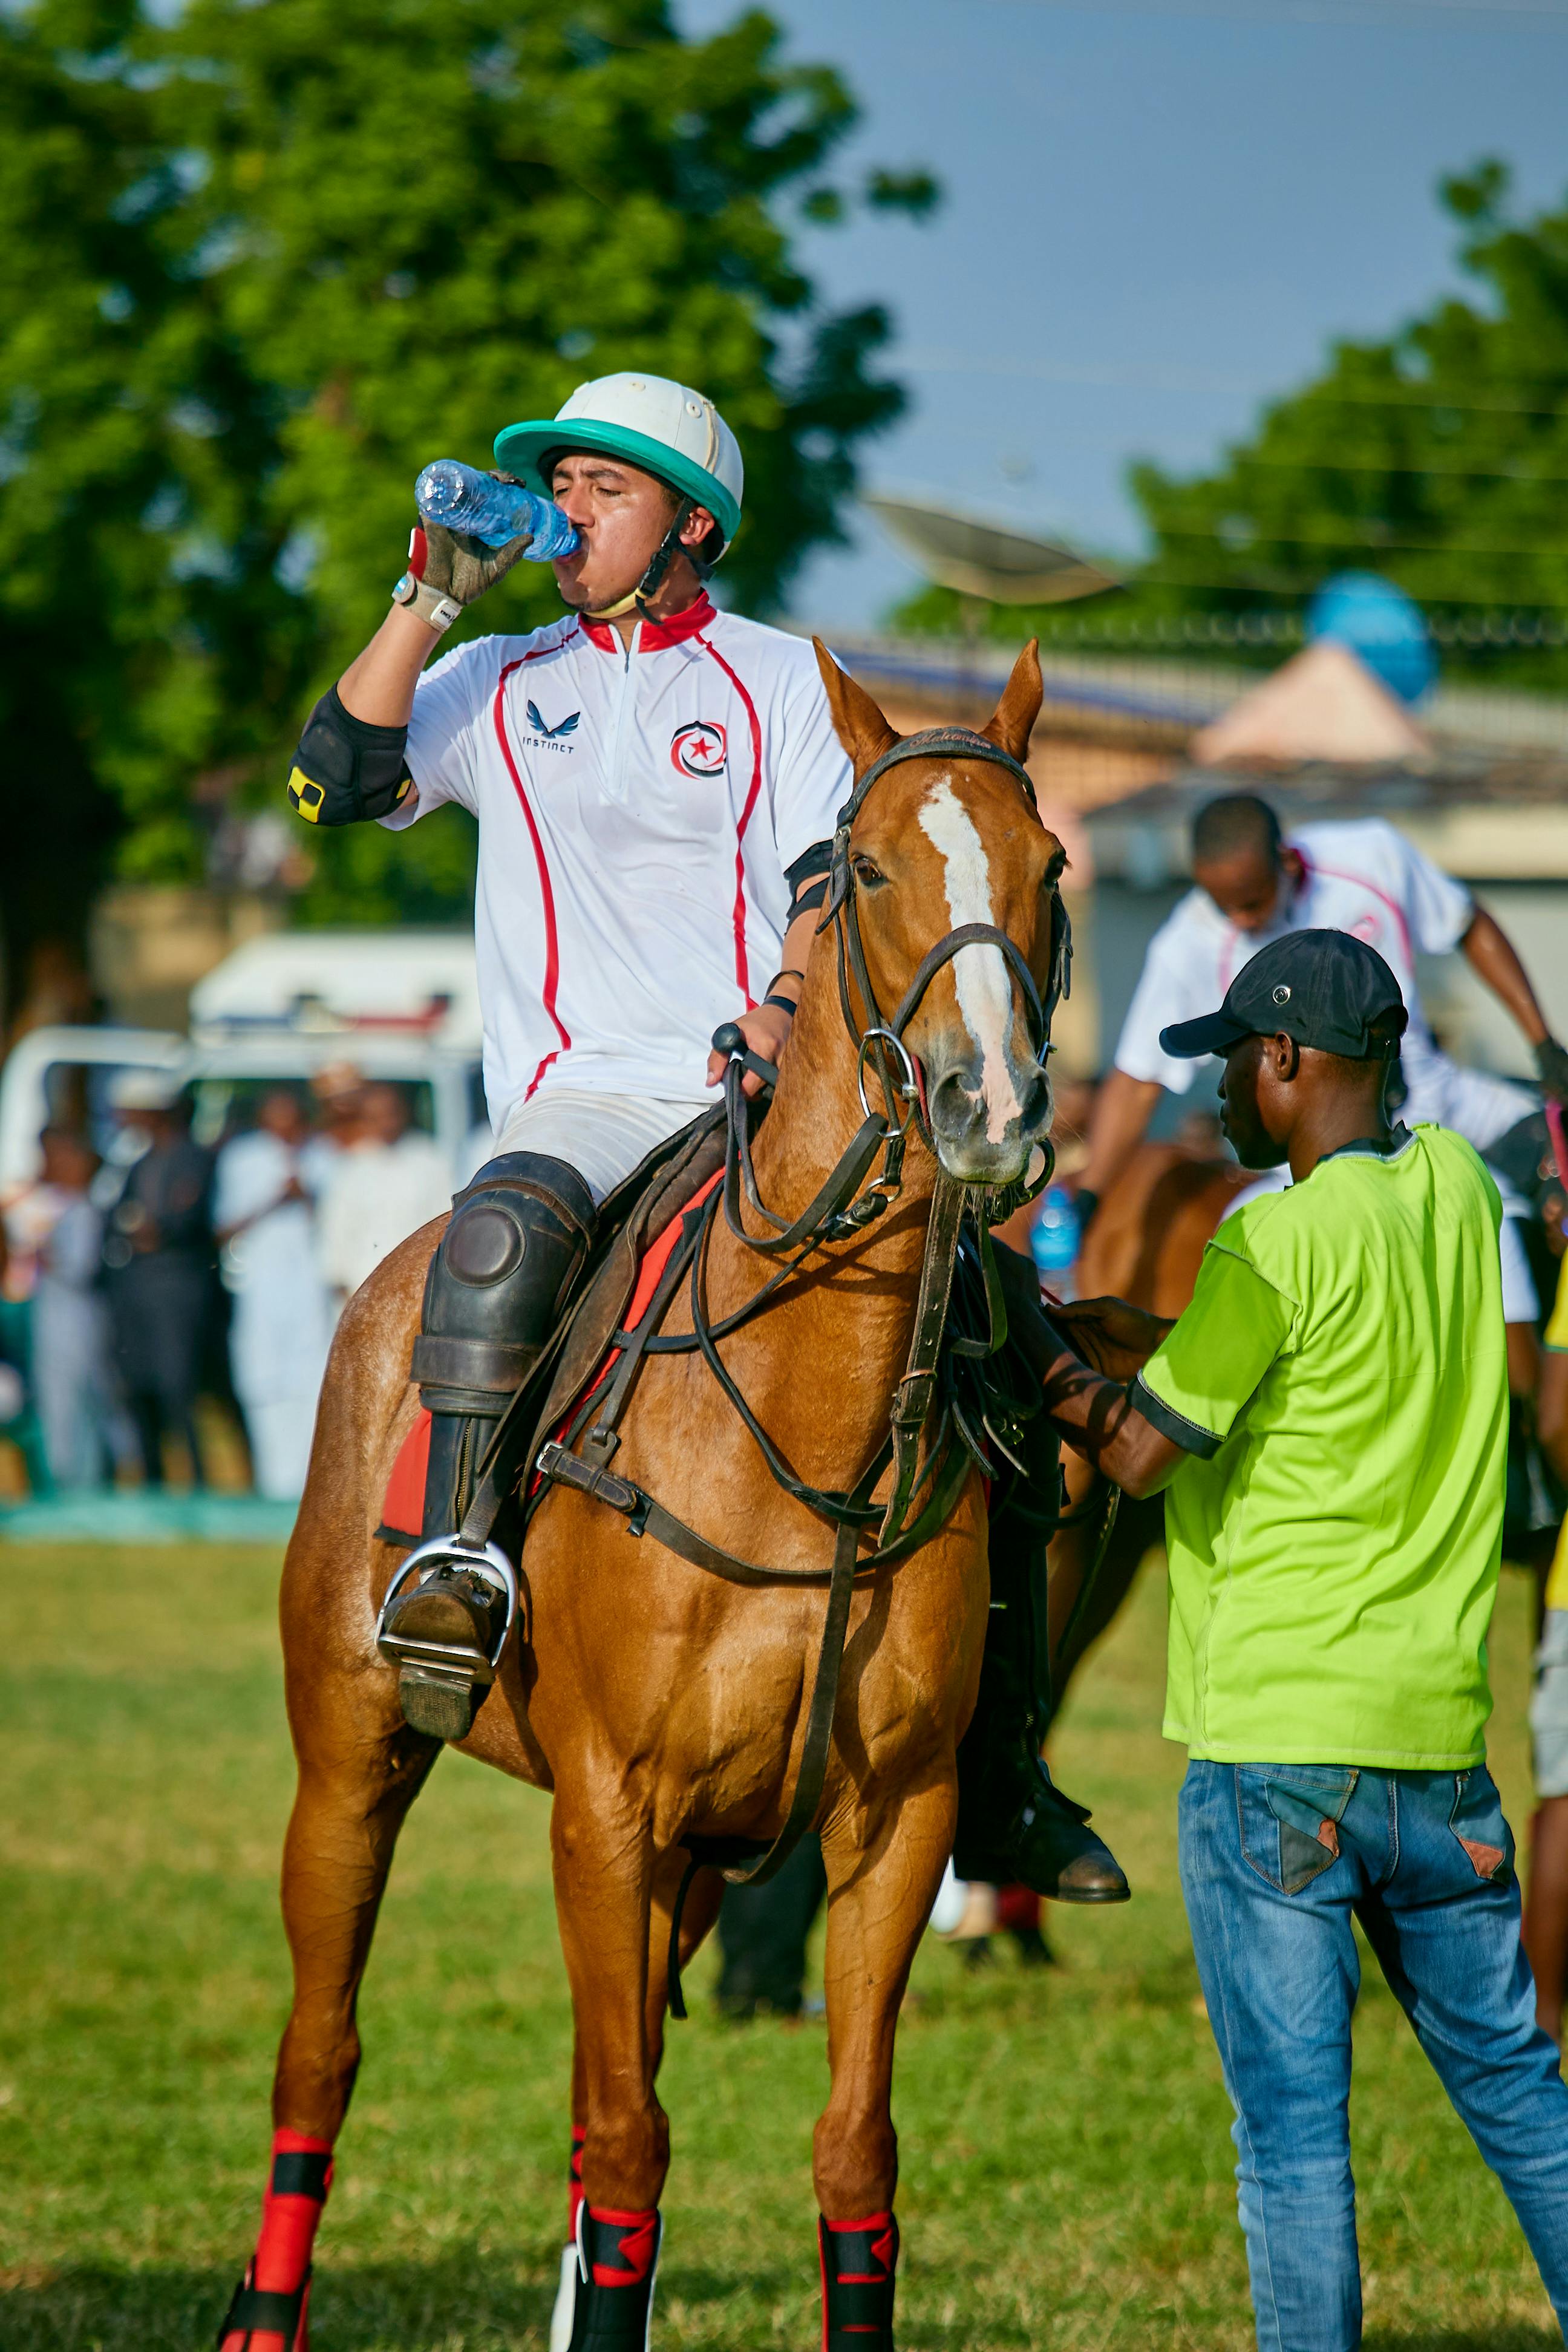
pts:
pixel 440 1701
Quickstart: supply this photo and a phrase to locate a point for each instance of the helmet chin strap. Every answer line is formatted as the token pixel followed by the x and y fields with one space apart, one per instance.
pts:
pixel 664 556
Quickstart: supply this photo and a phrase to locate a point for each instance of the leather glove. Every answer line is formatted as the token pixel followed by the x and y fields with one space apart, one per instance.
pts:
pixel 448 570
pixel 1116 1338
pixel 1551 1069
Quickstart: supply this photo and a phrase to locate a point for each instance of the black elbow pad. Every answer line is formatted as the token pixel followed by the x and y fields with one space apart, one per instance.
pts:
pixel 808 879
pixel 346 769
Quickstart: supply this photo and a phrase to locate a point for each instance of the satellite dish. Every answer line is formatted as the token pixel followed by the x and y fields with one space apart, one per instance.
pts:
pixel 984 558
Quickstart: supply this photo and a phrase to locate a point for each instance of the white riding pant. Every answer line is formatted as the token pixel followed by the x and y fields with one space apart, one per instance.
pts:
pixel 602 1137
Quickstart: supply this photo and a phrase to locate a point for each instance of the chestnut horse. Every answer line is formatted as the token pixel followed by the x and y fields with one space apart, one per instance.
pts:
pixel 657 1702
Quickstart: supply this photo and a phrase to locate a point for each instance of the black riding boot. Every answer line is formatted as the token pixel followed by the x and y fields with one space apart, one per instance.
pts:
pixel 496 1288
pixel 1015 1825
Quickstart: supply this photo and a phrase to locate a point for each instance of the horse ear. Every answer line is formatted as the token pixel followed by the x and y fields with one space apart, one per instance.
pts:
pixel 1012 722
pixel 862 730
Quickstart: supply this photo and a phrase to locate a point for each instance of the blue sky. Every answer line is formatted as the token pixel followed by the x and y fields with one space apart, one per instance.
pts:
pixel 1156 214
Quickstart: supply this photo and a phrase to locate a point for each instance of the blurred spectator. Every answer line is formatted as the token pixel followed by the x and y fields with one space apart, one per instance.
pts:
pixel 381 1189
pixel 85 1429
pixel 338 1089
pixel 157 1259
pixel 28 1211
pixel 264 1207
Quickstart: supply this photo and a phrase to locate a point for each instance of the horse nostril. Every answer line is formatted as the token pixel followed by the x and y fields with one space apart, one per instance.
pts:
pixel 954 1105
pixel 1036 1108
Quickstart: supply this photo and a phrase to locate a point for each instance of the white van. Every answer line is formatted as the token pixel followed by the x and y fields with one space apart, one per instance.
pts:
pixel 401 1005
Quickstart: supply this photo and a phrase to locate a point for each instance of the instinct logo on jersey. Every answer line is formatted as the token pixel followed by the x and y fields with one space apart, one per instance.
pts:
pixel 551 735
pixel 700 748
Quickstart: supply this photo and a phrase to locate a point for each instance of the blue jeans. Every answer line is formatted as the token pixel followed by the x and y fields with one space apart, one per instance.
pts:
pixel 1276 1861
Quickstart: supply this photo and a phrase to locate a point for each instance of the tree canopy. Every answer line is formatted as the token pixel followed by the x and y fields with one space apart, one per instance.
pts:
pixel 1438 458
pixel 260 262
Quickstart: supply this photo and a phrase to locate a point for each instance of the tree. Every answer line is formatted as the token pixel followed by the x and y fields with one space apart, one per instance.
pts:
pixel 1438 457
pixel 133 457
pixel 263 261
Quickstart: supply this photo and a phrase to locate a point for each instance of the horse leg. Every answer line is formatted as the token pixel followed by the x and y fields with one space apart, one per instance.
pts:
pixel 697 1913
pixel 879 1895
pixel 357 1780
pixel 604 1873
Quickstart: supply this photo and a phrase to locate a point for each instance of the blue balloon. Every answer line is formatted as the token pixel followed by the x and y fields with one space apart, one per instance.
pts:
pixel 1380 622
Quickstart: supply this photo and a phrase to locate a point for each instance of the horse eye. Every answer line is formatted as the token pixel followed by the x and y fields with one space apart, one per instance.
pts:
pixel 866 871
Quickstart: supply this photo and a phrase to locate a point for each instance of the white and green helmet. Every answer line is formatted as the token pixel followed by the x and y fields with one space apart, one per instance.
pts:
pixel 666 428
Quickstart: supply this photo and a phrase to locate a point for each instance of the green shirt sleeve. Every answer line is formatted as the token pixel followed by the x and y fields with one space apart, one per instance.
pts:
pixel 1199 1381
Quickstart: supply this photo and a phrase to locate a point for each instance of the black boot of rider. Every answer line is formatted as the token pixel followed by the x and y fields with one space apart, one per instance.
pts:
pixel 497 1285
pixel 1015 1827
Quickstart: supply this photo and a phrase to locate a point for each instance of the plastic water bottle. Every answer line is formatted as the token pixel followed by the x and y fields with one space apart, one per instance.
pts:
pixel 1054 1239
pixel 461 499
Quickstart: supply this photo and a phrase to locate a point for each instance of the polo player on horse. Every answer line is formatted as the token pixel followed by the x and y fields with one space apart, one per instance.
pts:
pixel 657 784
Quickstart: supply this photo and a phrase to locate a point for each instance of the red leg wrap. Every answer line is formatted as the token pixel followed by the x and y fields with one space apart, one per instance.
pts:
pixel 1017 1907
pixel 268 2310
pixel 617 2259
pixel 858 2262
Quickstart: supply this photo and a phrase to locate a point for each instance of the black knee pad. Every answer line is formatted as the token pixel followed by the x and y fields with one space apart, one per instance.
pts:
pixel 517 1242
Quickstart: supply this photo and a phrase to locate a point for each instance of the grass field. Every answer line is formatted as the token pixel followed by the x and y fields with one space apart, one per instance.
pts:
pixel 1067 2175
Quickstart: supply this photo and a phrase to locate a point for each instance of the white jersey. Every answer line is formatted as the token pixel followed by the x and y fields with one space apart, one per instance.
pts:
pixel 1362 878
pixel 637 811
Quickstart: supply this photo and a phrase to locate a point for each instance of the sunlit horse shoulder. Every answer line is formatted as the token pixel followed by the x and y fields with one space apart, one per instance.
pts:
pixel 658 1703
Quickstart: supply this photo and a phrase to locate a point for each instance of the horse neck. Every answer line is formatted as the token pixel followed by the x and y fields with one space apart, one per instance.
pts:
pixel 864 1311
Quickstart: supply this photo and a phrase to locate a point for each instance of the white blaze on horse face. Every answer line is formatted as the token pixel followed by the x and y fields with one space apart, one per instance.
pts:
pixel 980 975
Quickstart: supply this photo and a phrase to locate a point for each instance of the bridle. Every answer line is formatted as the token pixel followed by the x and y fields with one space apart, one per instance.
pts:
pixel 842 908
pixel 840 1208
pixel 923 1491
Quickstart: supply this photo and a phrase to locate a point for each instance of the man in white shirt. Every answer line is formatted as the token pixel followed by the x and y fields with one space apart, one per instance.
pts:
pixel 264 1207
pixel 377 1192
pixel 657 785
pixel 1253 884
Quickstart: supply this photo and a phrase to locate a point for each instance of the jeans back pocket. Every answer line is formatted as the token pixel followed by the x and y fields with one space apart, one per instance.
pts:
pixel 1290 1819
pixel 1477 1820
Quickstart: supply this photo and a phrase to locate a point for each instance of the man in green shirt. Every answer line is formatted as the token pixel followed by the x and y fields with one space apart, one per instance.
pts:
pixel 1328 1420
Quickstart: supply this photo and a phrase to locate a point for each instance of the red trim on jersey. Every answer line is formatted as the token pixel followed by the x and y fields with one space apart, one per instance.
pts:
pixel 656 636
pixel 1331 874
pixel 1310 873
pixel 742 971
pixel 547 895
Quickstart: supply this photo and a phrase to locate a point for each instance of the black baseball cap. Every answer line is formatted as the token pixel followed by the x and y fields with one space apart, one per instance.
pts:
pixel 1323 988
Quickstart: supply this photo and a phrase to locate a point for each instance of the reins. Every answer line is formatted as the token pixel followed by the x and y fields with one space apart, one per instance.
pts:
pixel 922 1496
